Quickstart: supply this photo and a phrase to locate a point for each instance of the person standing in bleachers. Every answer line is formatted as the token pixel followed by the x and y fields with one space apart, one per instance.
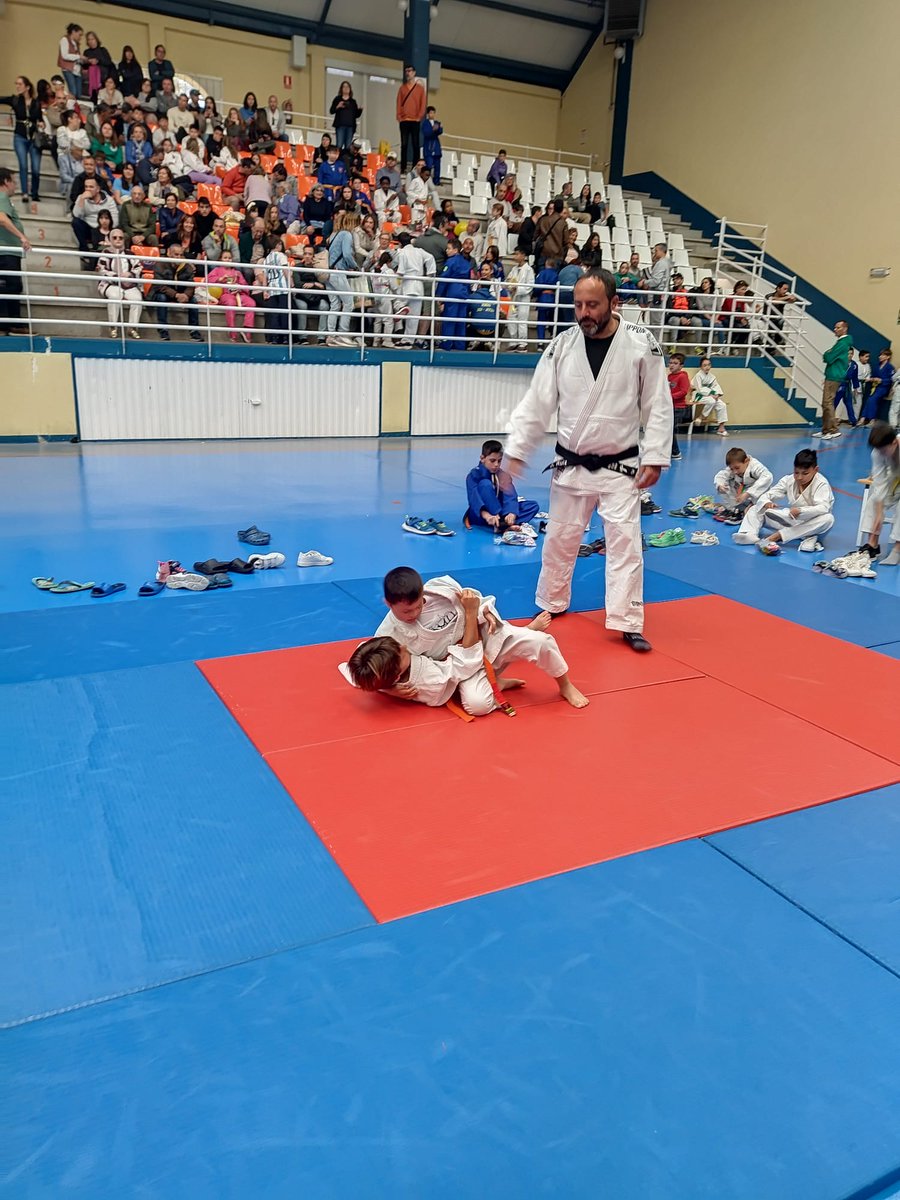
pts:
pixel 410 111
pixel 432 130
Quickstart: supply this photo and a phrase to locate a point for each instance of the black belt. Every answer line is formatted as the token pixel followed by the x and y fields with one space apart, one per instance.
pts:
pixel 595 462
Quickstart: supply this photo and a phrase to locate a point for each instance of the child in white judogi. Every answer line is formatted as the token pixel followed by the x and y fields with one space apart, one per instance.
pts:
pixel 437 619
pixel 707 392
pixel 806 516
pixel 520 282
pixel 883 498
pixel 743 480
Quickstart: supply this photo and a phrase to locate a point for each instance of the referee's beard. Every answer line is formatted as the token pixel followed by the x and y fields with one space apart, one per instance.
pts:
pixel 591 328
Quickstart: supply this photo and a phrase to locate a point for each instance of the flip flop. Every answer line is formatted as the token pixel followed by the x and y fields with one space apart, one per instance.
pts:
pixel 69 585
pixel 44 582
pixel 106 589
pixel 241 567
pixel 151 588
pixel 212 566
pixel 219 580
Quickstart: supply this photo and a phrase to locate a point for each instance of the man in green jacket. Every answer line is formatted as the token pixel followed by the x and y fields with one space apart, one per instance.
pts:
pixel 837 361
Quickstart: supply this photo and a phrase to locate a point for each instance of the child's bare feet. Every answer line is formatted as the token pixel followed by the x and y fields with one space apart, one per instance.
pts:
pixel 508 685
pixel 570 693
pixel 541 622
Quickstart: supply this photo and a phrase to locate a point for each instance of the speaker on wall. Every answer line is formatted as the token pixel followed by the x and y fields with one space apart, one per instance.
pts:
pixel 298 52
pixel 434 74
pixel 623 19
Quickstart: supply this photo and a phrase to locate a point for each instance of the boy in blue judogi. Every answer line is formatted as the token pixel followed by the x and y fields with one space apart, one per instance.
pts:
pixel 493 500
pixel 453 289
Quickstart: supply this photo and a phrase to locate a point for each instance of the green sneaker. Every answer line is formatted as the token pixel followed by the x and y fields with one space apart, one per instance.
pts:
pixel 669 537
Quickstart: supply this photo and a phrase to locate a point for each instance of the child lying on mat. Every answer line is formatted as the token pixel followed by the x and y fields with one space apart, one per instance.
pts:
pixel 436 639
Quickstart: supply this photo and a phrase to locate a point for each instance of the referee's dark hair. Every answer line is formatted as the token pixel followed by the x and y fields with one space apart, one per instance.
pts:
pixel 603 276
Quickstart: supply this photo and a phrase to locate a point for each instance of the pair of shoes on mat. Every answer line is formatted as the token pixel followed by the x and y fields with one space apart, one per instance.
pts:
pixel 62 588
pixel 514 537
pixel 167 567
pixel 688 510
pixel 704 537
pixel 768 547
pixel 187 581
pixel 312 558
pixel 648 506
pixel 668 537
pixel 856 565
pixel 254 537
pixel 426 526
pixel 586 549
pixel 810 545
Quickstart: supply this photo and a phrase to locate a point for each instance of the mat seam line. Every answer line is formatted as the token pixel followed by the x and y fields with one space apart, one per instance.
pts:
pixel 152 987
pixel 800 907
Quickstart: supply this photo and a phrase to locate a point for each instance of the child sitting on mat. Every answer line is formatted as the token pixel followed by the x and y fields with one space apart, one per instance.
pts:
pixel 493 499
pixel 804 515
pixel 742 481
pixel 439 620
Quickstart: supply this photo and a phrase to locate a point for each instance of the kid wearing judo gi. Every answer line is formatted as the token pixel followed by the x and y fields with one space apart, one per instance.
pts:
pixel 805 515
pixel 493 499
pixel 743 480
pixel 883 499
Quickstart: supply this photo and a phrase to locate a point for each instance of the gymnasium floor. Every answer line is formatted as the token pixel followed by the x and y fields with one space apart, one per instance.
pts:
pixel 264 937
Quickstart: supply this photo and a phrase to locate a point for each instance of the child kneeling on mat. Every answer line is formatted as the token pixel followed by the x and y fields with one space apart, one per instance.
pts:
pixel 449 634
pixel 493 500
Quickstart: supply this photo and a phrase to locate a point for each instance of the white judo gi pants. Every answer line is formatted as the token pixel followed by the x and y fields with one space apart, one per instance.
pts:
pixel 717 406
pixel 517 325
pixel 891 513
pixel 618 502
pixel 510 644
pixel 792 529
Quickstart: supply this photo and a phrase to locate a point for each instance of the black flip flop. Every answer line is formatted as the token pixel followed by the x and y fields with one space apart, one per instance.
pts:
pixel 212 566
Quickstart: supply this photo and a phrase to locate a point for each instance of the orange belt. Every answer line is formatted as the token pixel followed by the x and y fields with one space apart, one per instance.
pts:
pixel 502 703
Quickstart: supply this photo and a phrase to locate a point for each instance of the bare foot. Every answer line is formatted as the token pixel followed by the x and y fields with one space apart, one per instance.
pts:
pixel 541 622
pixel 508 685
pixel 571 694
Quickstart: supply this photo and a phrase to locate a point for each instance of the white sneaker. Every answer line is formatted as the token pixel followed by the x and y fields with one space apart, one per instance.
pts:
pixel 744 539
pixel 818 433
pixel 312 558
pixel 188 580
pixel 810 545
pixel 264 562
pixel 542 516
pixel 528 530
pixel 836 434
pixel 703 537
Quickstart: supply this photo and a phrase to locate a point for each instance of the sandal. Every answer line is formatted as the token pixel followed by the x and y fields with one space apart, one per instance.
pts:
pixel 44 582
pixel 69 585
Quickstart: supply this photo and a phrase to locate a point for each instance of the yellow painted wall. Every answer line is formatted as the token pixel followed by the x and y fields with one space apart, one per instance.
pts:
pixel 38 395
pixel 30 32
pixel 751 401
pixel 586 113
pixel 784 114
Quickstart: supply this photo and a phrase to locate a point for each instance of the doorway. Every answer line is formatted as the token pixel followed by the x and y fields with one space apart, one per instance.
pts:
pixel 376 94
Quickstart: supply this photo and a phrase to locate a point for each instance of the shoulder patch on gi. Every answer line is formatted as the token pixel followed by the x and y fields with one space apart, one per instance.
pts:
pixel 651 340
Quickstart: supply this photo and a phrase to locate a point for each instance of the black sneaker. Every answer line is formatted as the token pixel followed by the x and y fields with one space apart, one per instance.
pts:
pixel 164 334
pixel 195 335
pixel 637 642
pixel 648 508
pixel 872 551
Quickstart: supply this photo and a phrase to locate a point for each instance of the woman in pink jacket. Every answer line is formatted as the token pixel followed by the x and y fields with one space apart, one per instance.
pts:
pixel 235 295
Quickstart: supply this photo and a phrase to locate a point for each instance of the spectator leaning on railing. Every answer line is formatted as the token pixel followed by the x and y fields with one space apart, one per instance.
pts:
pixel 13 246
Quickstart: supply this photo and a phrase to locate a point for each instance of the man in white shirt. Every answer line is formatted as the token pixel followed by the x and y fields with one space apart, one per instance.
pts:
pixel 276 119
pixel 180 117
pixel 473 233
pixel 86 215
pixel 805 516
pixel 658 280
pixel 412 263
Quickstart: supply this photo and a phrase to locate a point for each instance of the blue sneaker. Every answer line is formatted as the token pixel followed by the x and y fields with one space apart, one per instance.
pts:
pixel 441 529
pixel 418 525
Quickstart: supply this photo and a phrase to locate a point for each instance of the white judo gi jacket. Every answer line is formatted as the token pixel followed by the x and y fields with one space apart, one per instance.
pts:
pixel 629 404
pixel 435 682
pixel 756 481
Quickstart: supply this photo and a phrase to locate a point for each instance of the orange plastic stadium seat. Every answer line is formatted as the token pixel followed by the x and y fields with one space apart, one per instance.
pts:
pixel 305 184
pixel 405 214
pixel 282 149
pixel 211 191
pixel 292 166
pixel 267 162
pixel 188 206
pixel 303 153
pixel 295 239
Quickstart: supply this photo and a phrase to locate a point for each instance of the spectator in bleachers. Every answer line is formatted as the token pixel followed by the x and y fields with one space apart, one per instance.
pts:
pixel 88 171
pixel 706 303
pixel 276 119
pixel 497 230
pixel 159 69
pixel 273 276
pixel 109 144
pixel 384 283
pixel 432 130
pixel 418 195
pixel 657 284
pixel 598 211
pixel 162 186
pixel 507 195
pixel 340 294
pixel 260 138
pixel 70 167
pixel 332 174
pixel 235 128
pixel 160 130
pixel 252 240
pixel 346 113
pixel 129 76
pixel 347 200
pixel 180 117
pixel 173 284
pixel 453 290
pixel 104 229
pixel 434 240
pixel 54 107
pixel 365 235
pixel 565 194
pixel 223 154
pixel 138 145
pixel 516 217
pixel 14 245
pixel 778 301
pixel 592 253
pixel 545 291
pixel 497 171
pixel 273 222
pixel 97 65
pixel 521 284
pixel 626 285
pixel 195 167
pixel 104 172
pixel 448 212
pixel 166 99
pixel 167 217
pixel 318 211
pixel 580 207
pixel 137 219
pixel 308 291
pixel 70 58
pixel 187 237
pixel 208 118
pixel 234 182
pixel 493 260
pixel 248 108
pixel 393 175
pixel 550 234
pixel 119 283
pixel 205 217
pixel 412 264
pixel 147 101
pixel 218 240
pixel 569 275
pixel 476 237
pixel 528 231
pixel 734 319
pixel 27 114
pixel 484 309
pixel 147 169
pixel 320 154
pixel 382 246
pixel 124 182
pixel 386 201
pixel 410 111
pixel 85 218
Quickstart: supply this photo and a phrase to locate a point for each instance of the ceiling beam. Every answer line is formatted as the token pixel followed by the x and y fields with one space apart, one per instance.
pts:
pixel 583 53
pixel 517 10
pixel 323 17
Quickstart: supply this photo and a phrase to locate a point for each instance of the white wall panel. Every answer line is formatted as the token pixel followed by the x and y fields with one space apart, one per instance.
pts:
pixel 174 399
pixel 449 400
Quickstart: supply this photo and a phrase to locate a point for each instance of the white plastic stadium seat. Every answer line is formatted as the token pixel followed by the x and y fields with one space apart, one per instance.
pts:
pixel 598 183
pixel 636 222
pixel 479 206
pixel 676 241
pixel 639 238
pixel 688 273
pixel 680 258
pixel 560 176
pixel 462 187
pixel 481 189
pixel 614 195
pixel 579 179
pixel 634 206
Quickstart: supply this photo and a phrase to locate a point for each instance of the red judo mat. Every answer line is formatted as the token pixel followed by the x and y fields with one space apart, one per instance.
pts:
pixel 421 809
